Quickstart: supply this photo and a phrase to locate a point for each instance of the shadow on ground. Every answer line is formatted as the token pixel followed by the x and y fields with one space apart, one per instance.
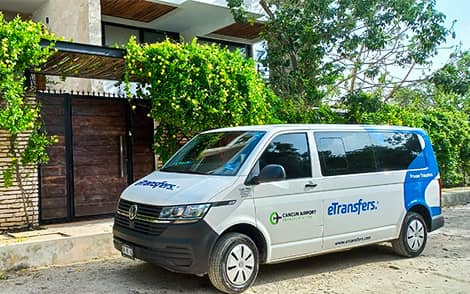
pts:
pixel 148 274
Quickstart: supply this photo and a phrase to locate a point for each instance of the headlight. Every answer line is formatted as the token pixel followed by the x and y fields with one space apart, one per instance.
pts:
pixel 184 213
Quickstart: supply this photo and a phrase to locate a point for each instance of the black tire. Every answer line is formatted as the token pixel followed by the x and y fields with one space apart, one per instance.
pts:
pixel 413 236
pixel 222 270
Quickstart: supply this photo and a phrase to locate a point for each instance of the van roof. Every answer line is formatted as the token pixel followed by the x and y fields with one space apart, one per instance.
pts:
pixel 320 127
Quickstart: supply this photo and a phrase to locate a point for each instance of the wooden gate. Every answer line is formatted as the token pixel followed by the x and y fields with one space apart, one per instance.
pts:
pixel 104 145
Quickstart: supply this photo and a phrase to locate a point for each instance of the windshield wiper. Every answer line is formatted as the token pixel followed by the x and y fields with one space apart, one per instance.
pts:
pixel 183 171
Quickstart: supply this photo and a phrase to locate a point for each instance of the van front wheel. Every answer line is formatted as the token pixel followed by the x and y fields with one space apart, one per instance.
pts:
pixel 233 264
pixel 413 236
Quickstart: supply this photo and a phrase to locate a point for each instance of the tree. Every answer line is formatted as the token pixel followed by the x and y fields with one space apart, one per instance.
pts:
pixel 196 87
pixel 454 79
pixel 20 50
pixel 327 48
pixel 447 88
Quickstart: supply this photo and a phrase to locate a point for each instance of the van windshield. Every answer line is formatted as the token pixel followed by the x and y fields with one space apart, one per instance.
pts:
pixel 220 153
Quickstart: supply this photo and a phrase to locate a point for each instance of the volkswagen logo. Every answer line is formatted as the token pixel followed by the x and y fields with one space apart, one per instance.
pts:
pixel 133 212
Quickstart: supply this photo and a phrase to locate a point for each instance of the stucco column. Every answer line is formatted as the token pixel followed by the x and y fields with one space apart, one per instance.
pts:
pixel 78 21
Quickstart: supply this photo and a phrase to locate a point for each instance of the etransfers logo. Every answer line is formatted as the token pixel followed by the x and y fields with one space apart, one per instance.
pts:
pixel 153 184
pixel 337 208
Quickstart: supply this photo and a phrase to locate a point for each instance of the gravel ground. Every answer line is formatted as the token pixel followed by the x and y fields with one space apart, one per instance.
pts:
pixel 444 267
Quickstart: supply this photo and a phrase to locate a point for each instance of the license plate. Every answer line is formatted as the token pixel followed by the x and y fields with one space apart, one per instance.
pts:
pixel 127 251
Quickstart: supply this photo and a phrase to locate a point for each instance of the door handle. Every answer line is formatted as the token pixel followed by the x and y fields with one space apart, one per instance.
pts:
pixel 310 185
pixel 121 155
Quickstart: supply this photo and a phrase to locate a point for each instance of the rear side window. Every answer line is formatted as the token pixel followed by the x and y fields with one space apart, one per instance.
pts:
pixel 396 151
pixel 292 152
pixel 360 152
pixel 332 155
pixel 345 153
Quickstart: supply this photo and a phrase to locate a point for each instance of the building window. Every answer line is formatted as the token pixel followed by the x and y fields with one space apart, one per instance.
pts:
pixel 118 35
pixel 245 49
pixel 115 36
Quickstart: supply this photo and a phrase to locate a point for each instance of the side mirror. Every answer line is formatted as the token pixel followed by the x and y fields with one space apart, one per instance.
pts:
pixel 271 173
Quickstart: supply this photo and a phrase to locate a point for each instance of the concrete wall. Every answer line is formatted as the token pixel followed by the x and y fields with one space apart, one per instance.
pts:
pixel 78 21
pixel 455 196
pixel 68 19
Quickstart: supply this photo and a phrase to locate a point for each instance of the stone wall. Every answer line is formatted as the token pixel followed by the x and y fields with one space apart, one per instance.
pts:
pixel 12 214
pixel 11 205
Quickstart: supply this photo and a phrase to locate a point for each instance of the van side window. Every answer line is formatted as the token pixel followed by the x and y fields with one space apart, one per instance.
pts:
pixel 345 153
pixel 396 151
pixel 332 156
pixel 360 152
pixel 292 152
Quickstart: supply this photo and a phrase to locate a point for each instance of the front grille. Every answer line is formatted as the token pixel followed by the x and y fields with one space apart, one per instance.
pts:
pixel 143 210
pixel 139 225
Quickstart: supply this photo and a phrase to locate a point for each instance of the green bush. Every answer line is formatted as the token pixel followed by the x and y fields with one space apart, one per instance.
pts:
pixel 298 111
pixel 20 50
pixel 450 135
pixel 196 87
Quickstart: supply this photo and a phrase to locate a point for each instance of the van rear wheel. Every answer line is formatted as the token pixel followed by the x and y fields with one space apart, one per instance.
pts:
pixel 234 263
pixel 413 236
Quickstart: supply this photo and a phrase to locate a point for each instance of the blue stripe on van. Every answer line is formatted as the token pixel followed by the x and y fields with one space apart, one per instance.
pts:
pixel 436 210
pixel 416 182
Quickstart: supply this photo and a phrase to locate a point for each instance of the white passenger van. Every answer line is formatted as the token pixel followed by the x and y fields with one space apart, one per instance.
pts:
pixel 234 198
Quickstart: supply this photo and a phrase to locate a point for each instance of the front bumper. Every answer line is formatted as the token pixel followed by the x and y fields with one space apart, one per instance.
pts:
pixel 183 248
pixel 437 222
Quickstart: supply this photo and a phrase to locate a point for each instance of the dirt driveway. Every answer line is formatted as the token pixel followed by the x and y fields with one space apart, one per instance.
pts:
pixel 444 267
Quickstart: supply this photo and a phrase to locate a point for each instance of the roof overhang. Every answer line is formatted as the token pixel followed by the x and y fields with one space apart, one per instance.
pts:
pixel 84 61
pixel 245 31
pixel 138 10
pixel 196 18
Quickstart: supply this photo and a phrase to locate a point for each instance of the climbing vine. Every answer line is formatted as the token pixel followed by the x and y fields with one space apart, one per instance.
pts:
pixel 195 87
pixel 20 50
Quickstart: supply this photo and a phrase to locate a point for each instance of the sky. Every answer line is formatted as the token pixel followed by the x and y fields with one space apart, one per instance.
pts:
pixel 458 10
